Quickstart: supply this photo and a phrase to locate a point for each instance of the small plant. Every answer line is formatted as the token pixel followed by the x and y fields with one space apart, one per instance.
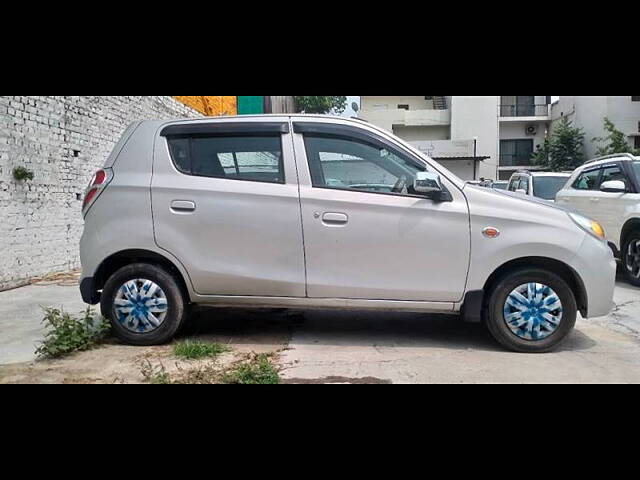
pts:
pixel 21 173
pixel 156 375
pixel 258 370
pixel 67 334
pixel 614 142
pixel 192 350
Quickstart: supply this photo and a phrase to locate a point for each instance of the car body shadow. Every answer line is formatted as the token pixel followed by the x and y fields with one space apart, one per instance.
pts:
pixel 381 329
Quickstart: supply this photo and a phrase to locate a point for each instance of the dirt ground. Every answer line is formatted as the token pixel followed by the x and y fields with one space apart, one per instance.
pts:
pixel 245 332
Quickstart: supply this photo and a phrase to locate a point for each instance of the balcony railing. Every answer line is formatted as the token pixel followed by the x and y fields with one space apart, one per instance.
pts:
pixel 524 110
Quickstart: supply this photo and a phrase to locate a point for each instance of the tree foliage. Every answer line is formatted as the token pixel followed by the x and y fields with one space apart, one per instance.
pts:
pixel 563 149
pixel 614 142
pixel 320 104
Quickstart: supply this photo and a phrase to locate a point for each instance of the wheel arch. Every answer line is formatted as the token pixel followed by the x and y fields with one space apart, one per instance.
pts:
pixel 567 273
pixel 125 257
pixel 629 226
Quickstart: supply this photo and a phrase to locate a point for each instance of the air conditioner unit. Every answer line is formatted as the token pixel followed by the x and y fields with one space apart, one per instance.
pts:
pixel 531 129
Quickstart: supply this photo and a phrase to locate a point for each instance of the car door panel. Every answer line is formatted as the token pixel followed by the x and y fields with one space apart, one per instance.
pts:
pixel 234 237
pixel 386 246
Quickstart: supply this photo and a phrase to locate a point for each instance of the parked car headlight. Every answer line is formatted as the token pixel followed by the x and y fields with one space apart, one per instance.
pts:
pixel 588 225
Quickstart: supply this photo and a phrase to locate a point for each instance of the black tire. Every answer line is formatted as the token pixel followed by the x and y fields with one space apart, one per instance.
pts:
pixel 176 304
pixel 495 317
pixel 633 236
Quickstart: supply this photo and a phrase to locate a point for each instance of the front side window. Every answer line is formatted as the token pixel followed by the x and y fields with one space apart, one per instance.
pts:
pixel 524 184
pixel 614 173
pixel 513 185
pixel 587 180
pixel 232 157
pixel 349 164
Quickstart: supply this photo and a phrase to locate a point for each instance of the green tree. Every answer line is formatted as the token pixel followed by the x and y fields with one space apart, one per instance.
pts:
pixel 320 104
pixel 563 149
pixel 614 142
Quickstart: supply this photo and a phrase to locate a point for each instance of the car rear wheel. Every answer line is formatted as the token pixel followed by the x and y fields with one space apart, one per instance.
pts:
pixel 530 310
pixel 144 304
pixel 631 257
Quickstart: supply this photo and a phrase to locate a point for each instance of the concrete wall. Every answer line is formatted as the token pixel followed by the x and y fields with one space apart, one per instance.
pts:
pixel 413 134
pixel 477 116
pixel 588 112
pixel 63 140
pixel 391 103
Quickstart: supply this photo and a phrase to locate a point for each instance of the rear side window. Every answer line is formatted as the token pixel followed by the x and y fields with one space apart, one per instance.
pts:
pixel 252 158
pixel 587 180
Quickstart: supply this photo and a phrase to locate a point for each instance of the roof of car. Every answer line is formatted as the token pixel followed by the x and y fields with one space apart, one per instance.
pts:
pixel 538 173
pixel 618 157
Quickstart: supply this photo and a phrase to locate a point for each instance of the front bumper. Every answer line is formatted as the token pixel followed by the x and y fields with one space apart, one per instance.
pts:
pixel 596 267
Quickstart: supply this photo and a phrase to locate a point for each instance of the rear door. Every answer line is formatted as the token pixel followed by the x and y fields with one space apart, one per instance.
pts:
pixel 225 203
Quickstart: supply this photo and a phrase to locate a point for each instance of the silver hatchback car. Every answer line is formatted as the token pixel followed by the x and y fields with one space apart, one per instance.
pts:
pixel 310 211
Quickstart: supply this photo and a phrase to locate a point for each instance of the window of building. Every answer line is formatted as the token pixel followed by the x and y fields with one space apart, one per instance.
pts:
pixel 350 164
pixel 237 158
pixel 635 99
pixel 516 152
pixel 587 180
pixel 403 107
pixel 636 142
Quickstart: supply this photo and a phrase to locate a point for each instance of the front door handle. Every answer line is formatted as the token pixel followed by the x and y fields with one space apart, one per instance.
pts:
pixel 594 199
pixel 331 218
pixel 182 206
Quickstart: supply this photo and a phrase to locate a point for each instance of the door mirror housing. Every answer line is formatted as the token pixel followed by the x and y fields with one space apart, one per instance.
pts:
pixel 430 184
pixel 521 190
pixel 613 186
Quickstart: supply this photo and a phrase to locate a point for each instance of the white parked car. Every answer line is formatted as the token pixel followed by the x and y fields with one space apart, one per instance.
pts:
pixel 307 211
pixel 607 189
pixel 539 184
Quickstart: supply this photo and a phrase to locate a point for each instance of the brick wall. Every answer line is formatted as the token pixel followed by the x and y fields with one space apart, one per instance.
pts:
pixel 62 140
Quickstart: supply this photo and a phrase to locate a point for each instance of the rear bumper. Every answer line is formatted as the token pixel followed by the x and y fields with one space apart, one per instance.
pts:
pixel 88 291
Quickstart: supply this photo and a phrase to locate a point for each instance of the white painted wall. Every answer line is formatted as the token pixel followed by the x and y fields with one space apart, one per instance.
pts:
pixel 477 116
pixel 588 112
pixel 413 134
pixel 391 103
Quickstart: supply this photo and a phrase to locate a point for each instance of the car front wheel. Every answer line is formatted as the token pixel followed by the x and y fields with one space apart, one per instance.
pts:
pixel 530 310
pixel 631 258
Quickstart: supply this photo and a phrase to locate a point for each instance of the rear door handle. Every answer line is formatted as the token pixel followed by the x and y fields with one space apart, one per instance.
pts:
pixel 331 218
pixel 183 206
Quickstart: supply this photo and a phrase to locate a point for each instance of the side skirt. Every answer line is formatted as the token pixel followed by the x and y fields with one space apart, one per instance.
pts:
pixel 323 303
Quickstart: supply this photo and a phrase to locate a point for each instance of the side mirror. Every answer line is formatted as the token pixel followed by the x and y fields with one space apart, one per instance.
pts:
pixel 521 190
pixel 613 186
pixel 430 184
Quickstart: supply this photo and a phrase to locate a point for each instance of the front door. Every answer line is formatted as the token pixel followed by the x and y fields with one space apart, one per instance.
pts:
pixel 367 234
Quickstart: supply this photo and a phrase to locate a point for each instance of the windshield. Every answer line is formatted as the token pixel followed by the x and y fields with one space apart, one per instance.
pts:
pixel 548 187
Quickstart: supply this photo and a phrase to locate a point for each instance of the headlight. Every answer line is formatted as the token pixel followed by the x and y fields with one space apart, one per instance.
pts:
pixel 588 225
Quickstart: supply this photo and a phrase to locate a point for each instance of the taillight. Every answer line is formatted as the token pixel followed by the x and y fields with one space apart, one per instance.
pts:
pixel 99 181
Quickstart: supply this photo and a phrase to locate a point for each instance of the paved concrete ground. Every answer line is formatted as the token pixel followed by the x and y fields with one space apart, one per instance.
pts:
pixel 355 347
pixel 21 315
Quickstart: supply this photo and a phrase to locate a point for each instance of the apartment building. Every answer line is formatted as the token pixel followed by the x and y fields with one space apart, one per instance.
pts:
pixel 589 112
pixel 473 136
